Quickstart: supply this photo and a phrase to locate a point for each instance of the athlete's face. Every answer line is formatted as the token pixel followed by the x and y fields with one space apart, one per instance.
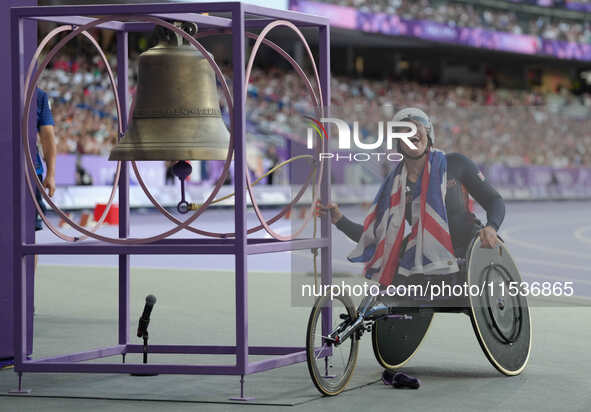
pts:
pixel 420 140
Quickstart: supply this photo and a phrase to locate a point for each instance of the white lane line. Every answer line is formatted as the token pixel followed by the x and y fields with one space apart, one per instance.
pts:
pixel 555 264
pixel 536 276
pixel 579 234
pixel 507 235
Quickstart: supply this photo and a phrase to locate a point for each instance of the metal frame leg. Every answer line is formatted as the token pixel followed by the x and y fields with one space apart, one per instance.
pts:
pixel 325 224
pixel 241 397
pixel 239 128
pixel 20 390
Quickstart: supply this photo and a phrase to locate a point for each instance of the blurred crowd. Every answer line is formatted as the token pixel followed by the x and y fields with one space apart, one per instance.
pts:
pixel 462 14
pixel 82 104
pixel 489 125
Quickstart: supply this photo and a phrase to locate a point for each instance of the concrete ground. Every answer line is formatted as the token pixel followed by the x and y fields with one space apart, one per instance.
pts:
pixel 76 310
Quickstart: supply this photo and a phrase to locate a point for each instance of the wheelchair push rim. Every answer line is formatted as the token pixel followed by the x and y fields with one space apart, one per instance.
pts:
pixel 501 321
pixel 331 366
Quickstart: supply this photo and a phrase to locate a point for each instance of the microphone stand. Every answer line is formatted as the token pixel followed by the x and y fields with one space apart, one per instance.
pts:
pixel 145 356
pixel 143 333
pixel 145 338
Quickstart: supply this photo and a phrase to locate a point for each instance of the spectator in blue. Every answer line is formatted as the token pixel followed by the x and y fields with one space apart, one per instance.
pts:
pixel 46 133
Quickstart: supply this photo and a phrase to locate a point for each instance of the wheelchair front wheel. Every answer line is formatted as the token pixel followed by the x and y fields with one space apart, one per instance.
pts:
pixel 331 365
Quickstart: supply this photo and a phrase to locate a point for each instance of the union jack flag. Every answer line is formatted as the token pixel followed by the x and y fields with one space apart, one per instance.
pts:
pixel 429 248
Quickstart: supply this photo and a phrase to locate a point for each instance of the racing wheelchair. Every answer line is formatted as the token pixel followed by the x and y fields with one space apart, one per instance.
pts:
pixel 500 319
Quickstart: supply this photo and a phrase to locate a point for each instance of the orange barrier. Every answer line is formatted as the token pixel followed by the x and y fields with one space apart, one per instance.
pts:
pixel 113 215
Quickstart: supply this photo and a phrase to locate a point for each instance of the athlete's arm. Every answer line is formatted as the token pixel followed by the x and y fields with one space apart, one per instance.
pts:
pixel 45 127
pixel 351 229
pixel 47 138
pixel 483 192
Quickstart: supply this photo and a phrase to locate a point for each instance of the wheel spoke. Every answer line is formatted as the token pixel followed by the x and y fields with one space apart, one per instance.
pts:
pixel 321 352
pixel 342 358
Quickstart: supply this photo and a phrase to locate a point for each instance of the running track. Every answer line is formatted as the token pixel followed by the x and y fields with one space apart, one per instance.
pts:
pixel 550 241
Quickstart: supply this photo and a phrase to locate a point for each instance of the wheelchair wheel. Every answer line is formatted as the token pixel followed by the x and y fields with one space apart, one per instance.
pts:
pixel 330 365
pixel 500 314
pixel 395 341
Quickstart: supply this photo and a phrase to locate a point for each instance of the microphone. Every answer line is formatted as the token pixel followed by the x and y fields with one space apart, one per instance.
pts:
pixel 142 328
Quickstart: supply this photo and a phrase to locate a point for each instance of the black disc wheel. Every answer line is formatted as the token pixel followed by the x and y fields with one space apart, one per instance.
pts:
pixel 395 340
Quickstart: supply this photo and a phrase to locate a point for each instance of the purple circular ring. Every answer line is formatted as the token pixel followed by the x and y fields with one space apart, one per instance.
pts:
pixel 255 205
pixel 25 129
pixel 34 60
pixel 287 207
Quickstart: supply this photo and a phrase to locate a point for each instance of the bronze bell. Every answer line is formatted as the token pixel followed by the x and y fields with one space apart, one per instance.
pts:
pixel 177 113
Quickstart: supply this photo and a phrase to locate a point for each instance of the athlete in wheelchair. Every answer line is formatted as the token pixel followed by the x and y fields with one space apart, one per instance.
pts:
pixel 447 244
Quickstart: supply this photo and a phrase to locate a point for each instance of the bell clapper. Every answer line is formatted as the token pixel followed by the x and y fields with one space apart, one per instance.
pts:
pixel 182 170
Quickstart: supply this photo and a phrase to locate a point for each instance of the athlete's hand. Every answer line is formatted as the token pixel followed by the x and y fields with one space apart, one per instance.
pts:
pixel 332 208
pixel 488 237
pixel 49 183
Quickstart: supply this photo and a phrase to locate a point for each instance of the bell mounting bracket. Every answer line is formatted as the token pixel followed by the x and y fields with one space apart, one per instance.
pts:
pixel 165 36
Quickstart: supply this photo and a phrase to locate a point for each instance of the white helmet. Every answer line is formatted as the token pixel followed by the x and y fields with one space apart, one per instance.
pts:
pixel 412 113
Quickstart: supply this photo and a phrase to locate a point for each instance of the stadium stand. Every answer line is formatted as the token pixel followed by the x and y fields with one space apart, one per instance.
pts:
pixel 518 126
pixel 492 16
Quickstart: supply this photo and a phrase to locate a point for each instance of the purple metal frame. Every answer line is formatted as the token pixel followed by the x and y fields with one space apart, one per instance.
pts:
pixel 240 246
